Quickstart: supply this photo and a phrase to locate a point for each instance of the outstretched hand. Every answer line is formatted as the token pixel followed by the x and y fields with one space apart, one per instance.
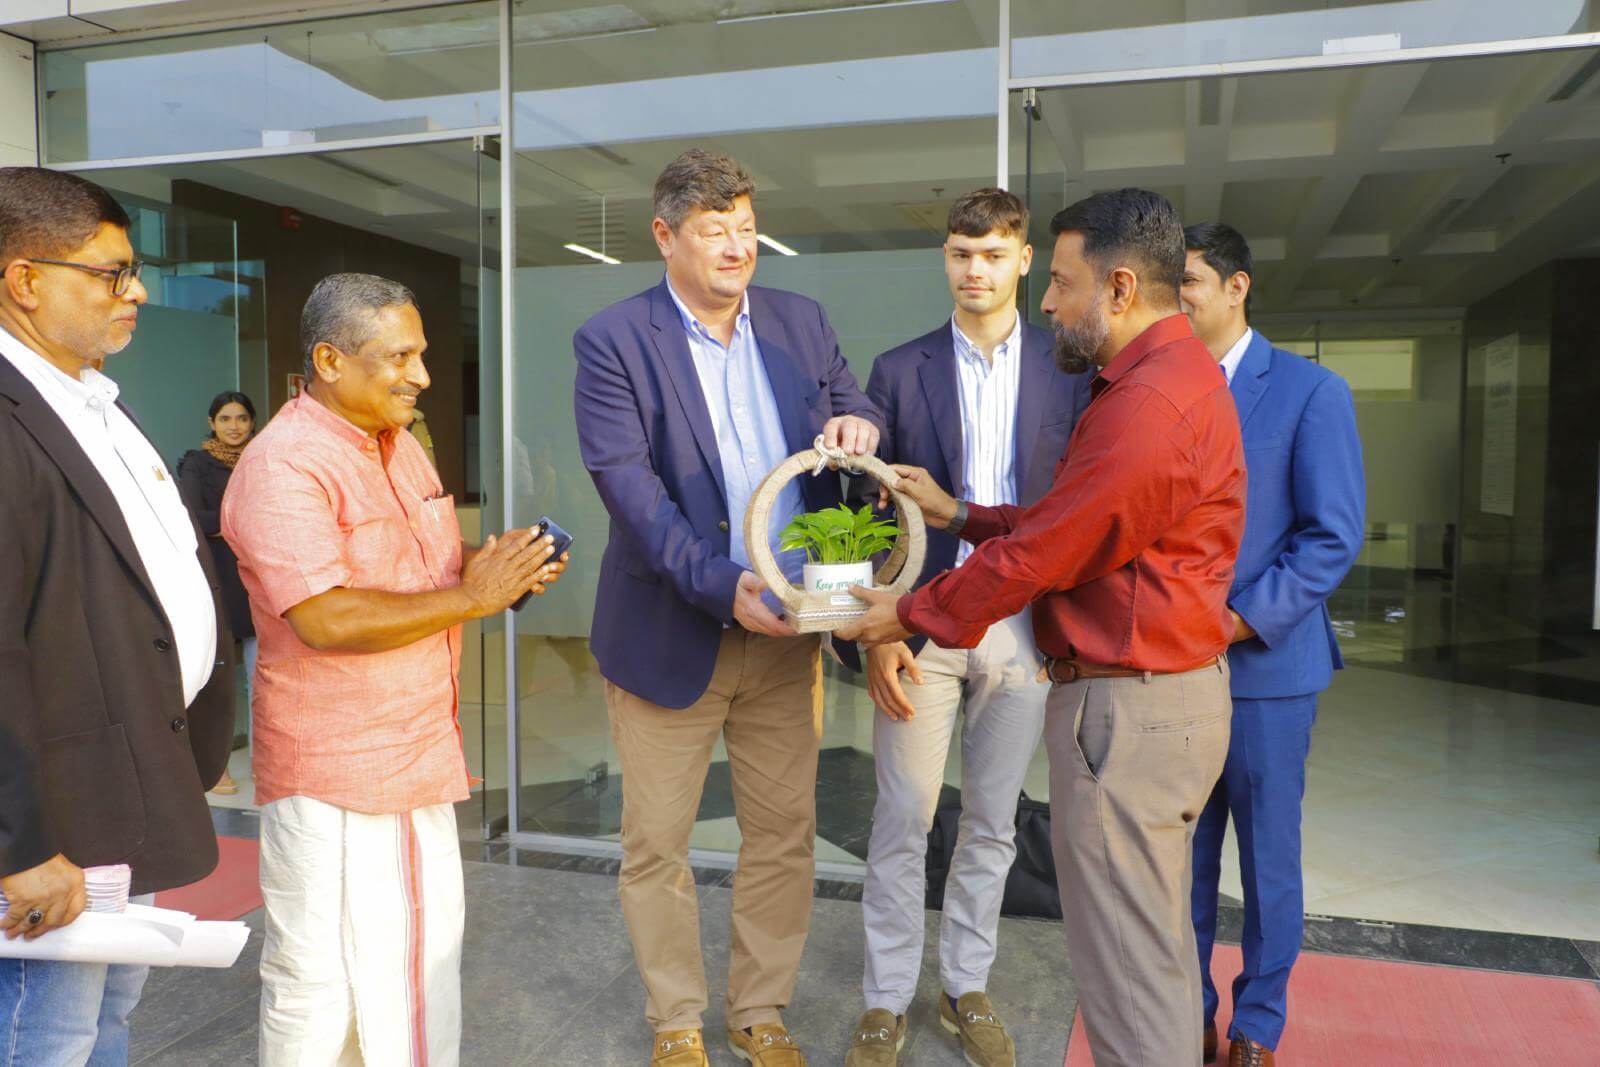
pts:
pixel 751 612
pixel 938 507
pixel 850 433
pixel 880 625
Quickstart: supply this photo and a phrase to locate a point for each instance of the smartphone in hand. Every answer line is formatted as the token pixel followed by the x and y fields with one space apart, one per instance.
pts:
pixel 563 541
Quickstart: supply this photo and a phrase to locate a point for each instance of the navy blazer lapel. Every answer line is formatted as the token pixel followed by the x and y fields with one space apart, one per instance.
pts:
pixel 673 348
pixel 938 376
pixel 1037 385
pixel 46 427
pixel 790 389
pixel 1249 380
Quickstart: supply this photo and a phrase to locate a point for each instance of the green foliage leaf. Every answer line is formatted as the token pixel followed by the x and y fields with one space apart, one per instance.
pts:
pixel 838 535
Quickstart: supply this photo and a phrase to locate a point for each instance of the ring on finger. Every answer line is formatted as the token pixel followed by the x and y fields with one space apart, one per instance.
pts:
pixel 34 917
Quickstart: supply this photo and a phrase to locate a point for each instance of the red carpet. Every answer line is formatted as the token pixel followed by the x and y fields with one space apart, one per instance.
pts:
pixel 229 892
pixel 1345 1011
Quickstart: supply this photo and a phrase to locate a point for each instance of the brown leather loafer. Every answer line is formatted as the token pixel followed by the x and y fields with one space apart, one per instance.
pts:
pixel 1208 1046
pixel 1242 1052
pixel 767 1045
pixel 878 1039
pixel 678 1048
pixel 984 1040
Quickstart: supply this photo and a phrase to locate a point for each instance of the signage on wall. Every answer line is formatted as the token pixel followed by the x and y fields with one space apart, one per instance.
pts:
pixel 1499 482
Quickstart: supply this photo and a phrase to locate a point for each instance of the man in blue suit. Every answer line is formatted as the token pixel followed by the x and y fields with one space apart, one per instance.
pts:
pixel 1304 524
pixel 687 395
pixel 978 403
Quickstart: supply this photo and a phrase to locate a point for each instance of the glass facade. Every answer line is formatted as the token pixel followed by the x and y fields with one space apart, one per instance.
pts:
pixel 393 74
pixel 1421 230
pixel 860 127
pixel 1137 39
pixel 1427 230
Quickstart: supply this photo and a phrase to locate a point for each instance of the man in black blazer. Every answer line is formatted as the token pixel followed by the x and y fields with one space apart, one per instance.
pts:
pixel 979 404
pixel 115 669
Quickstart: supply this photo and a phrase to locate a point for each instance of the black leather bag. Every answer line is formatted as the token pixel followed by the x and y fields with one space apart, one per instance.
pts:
pixel 1031 883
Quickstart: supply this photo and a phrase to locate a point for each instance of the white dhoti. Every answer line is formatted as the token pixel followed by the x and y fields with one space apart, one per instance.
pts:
pixel 362 961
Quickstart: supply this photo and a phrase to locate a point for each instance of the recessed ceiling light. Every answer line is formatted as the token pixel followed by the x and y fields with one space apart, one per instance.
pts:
pixel 591 253
pixel 777 246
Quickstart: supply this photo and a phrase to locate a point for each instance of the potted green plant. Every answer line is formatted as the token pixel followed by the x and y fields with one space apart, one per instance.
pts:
pixel 839 545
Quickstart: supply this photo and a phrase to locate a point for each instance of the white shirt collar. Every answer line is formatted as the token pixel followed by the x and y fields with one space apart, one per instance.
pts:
pixel 92 391
pixel 1235 356
pixel 966 347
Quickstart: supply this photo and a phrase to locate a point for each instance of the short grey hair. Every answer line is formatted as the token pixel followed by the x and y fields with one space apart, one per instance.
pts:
pixel 699 181
pixel 340 309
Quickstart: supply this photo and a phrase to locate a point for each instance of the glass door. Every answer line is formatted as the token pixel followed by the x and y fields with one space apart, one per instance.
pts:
pixel 227 239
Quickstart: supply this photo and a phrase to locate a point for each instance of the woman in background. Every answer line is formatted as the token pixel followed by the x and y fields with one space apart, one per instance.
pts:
pixel 203 475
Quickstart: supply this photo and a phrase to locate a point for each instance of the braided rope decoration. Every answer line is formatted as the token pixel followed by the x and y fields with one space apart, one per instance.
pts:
pixel 816 612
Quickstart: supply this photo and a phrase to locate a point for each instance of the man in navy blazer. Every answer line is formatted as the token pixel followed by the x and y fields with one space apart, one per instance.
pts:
pixel 1304 525
pixel 687 395
pixel 979 404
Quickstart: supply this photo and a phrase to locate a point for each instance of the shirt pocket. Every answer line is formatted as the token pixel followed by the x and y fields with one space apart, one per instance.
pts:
pixel 441 538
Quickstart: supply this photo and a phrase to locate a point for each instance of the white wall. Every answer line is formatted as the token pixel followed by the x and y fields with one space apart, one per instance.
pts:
pixel 19 139
pixel 1413 461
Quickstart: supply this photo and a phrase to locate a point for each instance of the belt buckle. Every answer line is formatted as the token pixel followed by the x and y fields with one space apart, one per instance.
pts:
pixel 1072 674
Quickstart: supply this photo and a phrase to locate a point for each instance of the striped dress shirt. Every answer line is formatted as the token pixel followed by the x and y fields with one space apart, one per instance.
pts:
pixel 988 393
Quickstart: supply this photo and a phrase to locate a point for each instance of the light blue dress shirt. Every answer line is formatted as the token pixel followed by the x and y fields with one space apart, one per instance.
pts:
pixel 988 392
pixel 744 415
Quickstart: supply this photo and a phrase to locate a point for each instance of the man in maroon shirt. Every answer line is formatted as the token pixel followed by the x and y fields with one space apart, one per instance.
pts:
pixel 1127 561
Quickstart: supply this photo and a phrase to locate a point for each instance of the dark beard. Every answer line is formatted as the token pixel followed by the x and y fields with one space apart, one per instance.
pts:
pixel 1076 345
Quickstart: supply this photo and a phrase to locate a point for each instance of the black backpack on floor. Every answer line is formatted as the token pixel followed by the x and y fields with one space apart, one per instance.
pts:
pixel 1031 884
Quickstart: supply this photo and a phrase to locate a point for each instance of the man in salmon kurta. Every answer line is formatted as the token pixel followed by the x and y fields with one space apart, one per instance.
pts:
pixel 359 584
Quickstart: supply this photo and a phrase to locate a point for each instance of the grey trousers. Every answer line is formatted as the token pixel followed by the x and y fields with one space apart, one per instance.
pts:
pixel 1132 763
pixel 1001 722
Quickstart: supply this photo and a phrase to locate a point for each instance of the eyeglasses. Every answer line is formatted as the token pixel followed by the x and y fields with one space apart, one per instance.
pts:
pixel 121 277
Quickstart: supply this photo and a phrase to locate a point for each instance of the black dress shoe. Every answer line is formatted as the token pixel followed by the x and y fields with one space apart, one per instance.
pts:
pixel 1208 1047
pixel 1242 1052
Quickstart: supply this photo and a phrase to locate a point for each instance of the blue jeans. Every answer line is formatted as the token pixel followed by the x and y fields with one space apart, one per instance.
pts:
pixel 55 1014
pixel 1262 785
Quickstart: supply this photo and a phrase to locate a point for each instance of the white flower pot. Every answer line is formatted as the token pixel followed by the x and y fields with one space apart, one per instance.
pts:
pixel 833 580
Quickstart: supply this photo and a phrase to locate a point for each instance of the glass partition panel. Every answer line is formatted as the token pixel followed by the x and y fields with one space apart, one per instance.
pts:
pixel 227 239
pixel 1054 38
pixel 379 75
pixel 861 125
pixel 1431 233
pixel 186 348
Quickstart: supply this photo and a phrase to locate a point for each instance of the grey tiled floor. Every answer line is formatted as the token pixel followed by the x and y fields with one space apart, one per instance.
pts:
pixel 548 979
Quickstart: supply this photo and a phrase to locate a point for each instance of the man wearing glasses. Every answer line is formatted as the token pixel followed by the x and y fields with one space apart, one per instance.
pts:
pixel 117 711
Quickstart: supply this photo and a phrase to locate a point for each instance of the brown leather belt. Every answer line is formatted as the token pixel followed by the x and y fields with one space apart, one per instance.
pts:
pixel 1071 670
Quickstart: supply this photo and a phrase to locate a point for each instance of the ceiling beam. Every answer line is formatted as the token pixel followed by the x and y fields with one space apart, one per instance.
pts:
pixel 1379 97
pixel 1208 122
pixel 1525 118
pixel 1208 127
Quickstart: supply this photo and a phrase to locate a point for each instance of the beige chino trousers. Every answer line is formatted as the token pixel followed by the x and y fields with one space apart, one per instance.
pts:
pixel 765 702
pixel 1132 763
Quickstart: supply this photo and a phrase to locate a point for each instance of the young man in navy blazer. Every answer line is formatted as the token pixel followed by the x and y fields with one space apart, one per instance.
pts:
pixel 687 395
pixel 979 403
pixel 1304 524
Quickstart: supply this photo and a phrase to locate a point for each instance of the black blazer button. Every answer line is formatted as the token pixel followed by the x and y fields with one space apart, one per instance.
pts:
pixel 179 726
pixel 723 525
pixel 162 644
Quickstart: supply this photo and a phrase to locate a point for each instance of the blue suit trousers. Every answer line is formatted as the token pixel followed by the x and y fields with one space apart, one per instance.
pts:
pixel 1262 785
